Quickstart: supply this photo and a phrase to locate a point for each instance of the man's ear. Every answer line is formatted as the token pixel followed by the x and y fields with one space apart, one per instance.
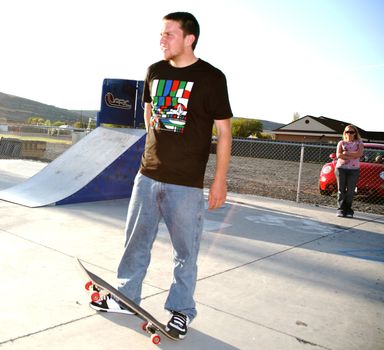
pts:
pixel 190 39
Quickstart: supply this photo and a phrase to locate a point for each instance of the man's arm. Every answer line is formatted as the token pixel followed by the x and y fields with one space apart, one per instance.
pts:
pixel 147 115
pixel 218 191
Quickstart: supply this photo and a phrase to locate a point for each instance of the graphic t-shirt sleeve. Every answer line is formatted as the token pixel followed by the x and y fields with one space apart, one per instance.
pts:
pixel 219 105
pixel 146 92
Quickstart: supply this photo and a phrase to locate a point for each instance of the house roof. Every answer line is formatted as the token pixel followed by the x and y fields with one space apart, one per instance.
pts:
pixel 324 125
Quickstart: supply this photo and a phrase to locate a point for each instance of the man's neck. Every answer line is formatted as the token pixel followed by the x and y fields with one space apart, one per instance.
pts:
pixel 184 61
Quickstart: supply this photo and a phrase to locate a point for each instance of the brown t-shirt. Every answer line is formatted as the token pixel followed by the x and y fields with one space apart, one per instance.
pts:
pixel 185 103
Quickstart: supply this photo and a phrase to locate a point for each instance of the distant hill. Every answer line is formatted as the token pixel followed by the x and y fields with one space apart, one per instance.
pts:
pixel 269 126
pixel 18 109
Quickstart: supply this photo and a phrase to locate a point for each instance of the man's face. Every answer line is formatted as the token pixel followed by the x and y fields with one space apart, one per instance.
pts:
pixel 172 41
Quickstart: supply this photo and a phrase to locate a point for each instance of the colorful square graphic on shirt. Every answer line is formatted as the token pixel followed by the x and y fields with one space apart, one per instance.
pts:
pixel 170 104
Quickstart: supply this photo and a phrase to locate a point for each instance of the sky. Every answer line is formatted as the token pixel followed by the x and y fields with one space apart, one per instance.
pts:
pixel 280 57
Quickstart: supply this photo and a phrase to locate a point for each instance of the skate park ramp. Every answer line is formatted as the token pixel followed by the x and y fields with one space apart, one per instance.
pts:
pixel 101 166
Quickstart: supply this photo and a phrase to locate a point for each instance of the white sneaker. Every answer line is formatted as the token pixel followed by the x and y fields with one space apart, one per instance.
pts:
pixel 109 304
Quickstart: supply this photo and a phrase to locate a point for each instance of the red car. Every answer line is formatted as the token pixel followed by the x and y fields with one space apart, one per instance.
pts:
pixel 371 180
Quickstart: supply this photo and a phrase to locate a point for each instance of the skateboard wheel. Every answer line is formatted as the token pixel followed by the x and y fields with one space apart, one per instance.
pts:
pixel 95 296
pixel 144 326
pixel 88 285
pixel 155 339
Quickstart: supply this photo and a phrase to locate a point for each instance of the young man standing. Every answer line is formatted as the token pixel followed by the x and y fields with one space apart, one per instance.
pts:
pixel 184 96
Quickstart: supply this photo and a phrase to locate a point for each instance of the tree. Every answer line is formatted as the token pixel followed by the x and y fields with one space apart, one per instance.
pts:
pixel 296 116
pixel 36 120
pixel 244 127
pixel 31 120
pixel 80 125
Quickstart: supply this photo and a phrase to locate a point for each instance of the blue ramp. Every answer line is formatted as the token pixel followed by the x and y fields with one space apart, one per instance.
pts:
pixel 101 166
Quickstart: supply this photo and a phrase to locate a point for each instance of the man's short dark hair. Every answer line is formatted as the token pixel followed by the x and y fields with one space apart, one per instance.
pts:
pixel 188 24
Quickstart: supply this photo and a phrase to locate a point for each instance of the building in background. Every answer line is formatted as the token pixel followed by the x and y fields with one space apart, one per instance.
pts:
pixel 320 129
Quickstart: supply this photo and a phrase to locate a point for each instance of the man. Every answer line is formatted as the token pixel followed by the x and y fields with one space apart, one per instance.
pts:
pixel 184 96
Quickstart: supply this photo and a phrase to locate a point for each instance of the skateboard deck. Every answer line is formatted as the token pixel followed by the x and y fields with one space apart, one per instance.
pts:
pixel 151 325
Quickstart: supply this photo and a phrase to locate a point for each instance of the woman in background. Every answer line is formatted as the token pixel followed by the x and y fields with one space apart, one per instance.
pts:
pixel 348 152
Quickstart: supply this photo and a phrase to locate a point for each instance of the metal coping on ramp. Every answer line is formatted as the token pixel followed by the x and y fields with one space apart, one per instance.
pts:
pixel 101 166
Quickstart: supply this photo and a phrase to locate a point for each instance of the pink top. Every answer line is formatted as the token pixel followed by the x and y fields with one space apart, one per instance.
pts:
pixel 349 146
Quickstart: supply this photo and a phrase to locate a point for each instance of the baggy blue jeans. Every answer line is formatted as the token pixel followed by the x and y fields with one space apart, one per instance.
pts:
pixel 182 209
pixel 346 184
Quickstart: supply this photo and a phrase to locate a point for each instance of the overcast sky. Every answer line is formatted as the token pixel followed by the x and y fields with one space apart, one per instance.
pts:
pixel 313 57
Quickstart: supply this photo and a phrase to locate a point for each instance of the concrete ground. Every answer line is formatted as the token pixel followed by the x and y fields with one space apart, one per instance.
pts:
pixel 272 275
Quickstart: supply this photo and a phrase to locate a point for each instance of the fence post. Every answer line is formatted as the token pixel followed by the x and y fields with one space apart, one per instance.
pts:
pixel 300 170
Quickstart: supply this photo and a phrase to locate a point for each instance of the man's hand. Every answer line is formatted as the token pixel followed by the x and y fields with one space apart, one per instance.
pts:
pixel 217 194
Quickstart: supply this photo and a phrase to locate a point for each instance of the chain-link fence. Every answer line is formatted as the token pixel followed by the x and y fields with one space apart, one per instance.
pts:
pixel 9 148
pixel 292 171
pixel 281 170
pixel 35 142
pixel 51 132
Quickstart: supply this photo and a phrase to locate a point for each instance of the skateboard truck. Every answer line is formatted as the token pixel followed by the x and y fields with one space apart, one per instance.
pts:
pixel 96 293
pixel 155 338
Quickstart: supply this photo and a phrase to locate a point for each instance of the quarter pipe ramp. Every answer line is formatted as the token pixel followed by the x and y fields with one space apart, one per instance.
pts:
pixel 100 166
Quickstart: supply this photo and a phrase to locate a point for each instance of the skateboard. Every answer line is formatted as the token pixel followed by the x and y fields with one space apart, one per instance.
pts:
pixel 99 288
